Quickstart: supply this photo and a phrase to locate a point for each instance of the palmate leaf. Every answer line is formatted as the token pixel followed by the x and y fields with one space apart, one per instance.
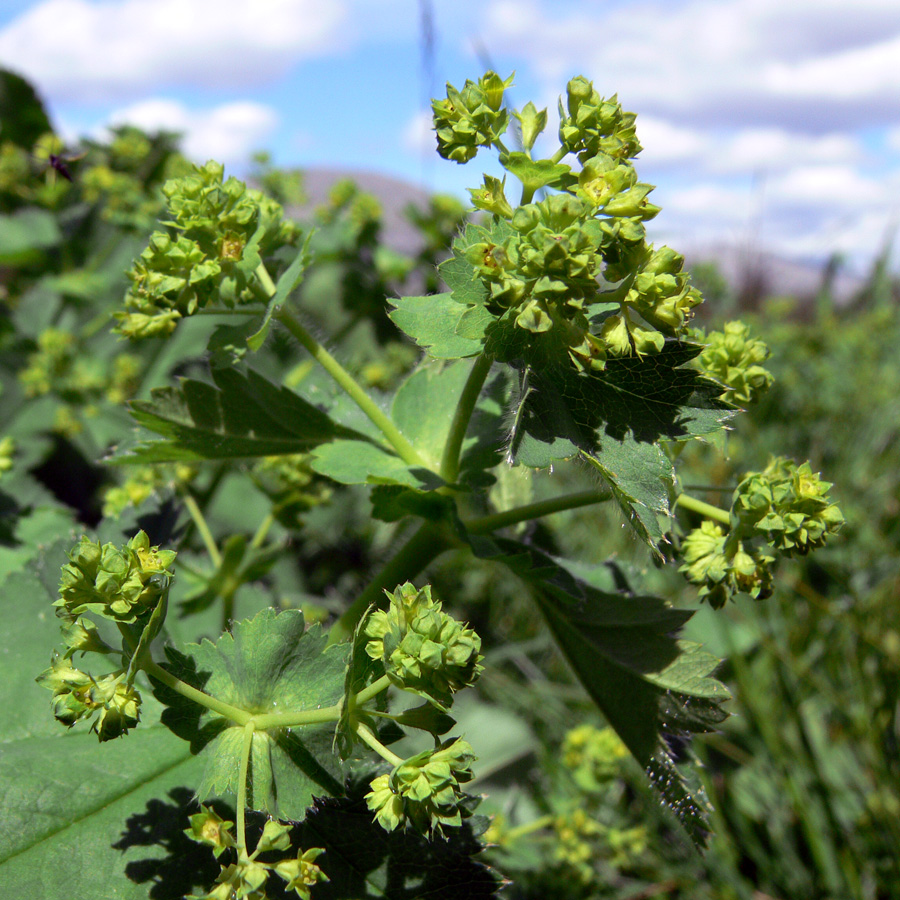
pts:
pixel 452 325
pixel 434 323
pixel 270 663
pixel 66 800
pixel 241 415
pixel 624 650
pixel 615 418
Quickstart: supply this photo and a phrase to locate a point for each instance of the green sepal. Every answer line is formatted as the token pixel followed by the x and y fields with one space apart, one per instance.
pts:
pixel 361 671
pixel 534 173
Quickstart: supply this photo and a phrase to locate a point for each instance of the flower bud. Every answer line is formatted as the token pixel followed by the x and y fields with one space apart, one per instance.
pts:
pixel 422 648
pixel 424 789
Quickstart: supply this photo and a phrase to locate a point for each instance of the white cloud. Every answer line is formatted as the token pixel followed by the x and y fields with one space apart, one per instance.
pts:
pixel 97 50
pixel 228 133
pixel 818 65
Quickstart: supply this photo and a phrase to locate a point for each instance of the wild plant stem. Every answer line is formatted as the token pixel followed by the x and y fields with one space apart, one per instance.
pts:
pixel 226 710
pixel 366 735
pixel 351 387
pixel 449 470
pixel 486 524
pixel 704 509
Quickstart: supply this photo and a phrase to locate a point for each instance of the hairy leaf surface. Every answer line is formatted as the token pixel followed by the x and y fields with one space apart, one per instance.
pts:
pixel 241 415
pixel 268 664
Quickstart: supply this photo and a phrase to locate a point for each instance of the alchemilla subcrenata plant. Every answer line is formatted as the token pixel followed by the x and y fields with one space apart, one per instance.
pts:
pixel 562 342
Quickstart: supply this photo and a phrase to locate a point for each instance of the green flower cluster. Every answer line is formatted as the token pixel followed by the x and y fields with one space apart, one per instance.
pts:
pixel 78 696
pixel 593 756
pixel 121 584
pixel 61 364
pixel 471 118
pixel 724 568
pixel 124 585
pixel 590 126
pixel 142 482
pixel 423 649
pixel 581 841
pixel 784 509
pixel 7 452
pixel 292 486
pixel 219 234
pixel 789 505
pixel 246 878
pixel 573 270
pixel 424 790
pixel 733 357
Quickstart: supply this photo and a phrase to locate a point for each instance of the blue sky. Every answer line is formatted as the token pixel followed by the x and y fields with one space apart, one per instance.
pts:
pixel 762 120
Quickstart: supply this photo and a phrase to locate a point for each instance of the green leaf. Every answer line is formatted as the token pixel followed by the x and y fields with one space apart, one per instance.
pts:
pixel 291 278
pixel 25 235
pixel 614 419
pixel 646 682
pixel 639 476
pixel 67 803
pixel 620 645
pixel 243 415
pixel 433 323
pixel 361 462
pixel 269 663
pixel 424 405
pixel 534 173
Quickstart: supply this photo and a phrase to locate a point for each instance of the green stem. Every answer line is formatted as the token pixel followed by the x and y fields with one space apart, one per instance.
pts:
pixel 395 438
pixel 426 544
pixel 262 531
pixel 559 155
pixel 296 719
pixel 365 734
pixel 265 279
pixel 373 690
pixel 485 524
pixel 202 527
pixel 249 729
pixel 450 459
pixel 704 509
pixel 529 827
pixel 226 710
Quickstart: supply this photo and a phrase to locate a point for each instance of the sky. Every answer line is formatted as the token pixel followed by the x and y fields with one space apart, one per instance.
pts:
pixel 766 123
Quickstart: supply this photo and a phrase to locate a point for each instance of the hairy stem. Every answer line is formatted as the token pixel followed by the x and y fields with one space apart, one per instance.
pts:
pixel 351 387
pixel 450 459
pixel 373 690
pixel 226 710
pixel 486 524
pixel 704 509
pixel 365 734
pixel 426 544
